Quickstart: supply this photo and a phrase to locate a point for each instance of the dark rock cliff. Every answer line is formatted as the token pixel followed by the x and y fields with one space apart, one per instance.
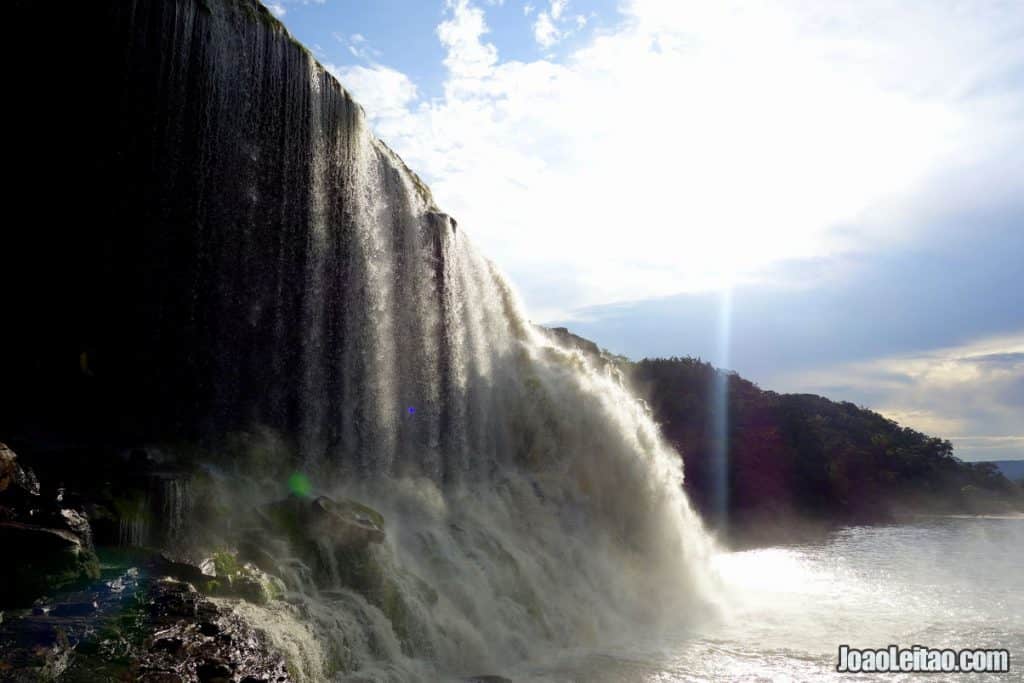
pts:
pixel 177 255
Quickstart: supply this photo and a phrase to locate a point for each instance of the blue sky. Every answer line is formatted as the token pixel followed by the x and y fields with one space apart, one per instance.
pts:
pixel 845 175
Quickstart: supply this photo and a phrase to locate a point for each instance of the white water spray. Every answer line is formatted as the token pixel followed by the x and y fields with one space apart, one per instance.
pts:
pixel 531 503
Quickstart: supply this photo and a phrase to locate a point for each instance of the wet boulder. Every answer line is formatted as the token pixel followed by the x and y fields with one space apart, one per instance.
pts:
pixel 321 521
pixel 346 523
pixel 240 580
pixel 195 639
pixel 336 540
pixel 147 629
pixel 77 523
pixel 17 484
pixel 39 560
pixel 8 467
pixel 47 546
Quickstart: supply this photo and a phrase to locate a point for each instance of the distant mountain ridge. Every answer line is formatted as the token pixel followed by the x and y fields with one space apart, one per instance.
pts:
pixel 1011 469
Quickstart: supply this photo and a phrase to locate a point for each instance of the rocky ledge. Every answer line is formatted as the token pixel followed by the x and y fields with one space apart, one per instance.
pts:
pixel 135 626
pixel 79 602
pixel 48 543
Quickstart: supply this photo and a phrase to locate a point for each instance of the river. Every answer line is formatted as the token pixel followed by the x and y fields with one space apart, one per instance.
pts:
pixel 943 582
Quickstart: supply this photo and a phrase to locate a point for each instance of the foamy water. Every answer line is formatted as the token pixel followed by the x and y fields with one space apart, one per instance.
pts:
pixel 941 582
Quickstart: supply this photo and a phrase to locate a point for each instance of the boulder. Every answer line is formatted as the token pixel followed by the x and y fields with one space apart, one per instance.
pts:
pixel 256 586
pixel 39 560
pixel 245 581
pixel 77 523
pixel 159 564
pixel 196 639
pixel 47 544
pixel 160 630
pixel 16 482
pixel 343 524
pixel 8 467
pixel 74 609
pixel 346 523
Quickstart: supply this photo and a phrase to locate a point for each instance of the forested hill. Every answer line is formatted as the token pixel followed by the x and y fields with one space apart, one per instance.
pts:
pixel 801 457
pixel 793 460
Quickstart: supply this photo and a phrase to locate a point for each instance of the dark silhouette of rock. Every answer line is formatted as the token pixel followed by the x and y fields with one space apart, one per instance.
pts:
pixel 150 629
pixel 164 292
pixel 40 559
pixel 18 485
pixel 343 524
pixel 75 609
pixel 47 546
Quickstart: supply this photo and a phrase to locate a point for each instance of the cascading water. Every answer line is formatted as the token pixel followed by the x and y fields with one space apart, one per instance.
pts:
pixel 132 532
pixel 531 502
pixel 279 266
pixel 176 507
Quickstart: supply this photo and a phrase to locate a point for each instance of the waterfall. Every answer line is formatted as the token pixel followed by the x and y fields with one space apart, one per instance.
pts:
pixel 176 498
pixel 132 532
pixel 531 502
pixel 268 261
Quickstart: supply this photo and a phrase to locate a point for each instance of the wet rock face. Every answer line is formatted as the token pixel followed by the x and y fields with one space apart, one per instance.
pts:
pixel 338 542
pixel 346 523
pixel 46 546
pixel 330 537
pixel 41 560
pixel 194 639
pixel 19 487
pixel 343 525
pixel 152 623
pixel 14 480
pixel 215 241
pixel 164 284
pixel 135 627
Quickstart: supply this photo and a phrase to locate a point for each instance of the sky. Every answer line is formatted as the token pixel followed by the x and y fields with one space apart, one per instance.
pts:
pixel 823 197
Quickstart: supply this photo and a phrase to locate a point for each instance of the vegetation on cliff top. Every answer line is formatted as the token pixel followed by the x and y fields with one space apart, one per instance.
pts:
pixel 804 457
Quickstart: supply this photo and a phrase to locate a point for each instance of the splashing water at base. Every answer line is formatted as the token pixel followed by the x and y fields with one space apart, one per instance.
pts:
pixel 940 582
pixel 593 543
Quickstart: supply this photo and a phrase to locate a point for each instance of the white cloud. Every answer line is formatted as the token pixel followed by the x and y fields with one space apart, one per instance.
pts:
pixel 277 7
pixel 468 59
pixel 696 143
pixel 385 92
pixel 547 29
pixel 544 30
pixel 358 46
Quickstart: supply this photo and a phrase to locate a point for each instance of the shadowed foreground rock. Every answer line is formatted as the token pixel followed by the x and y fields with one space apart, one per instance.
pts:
pixel 46 546
pixel 139 627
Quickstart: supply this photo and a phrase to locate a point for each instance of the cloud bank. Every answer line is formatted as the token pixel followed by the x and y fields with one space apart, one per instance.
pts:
pixel 847 169
pixel 693 144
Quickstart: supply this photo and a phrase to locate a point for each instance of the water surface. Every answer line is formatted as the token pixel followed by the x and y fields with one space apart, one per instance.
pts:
pixel 939 582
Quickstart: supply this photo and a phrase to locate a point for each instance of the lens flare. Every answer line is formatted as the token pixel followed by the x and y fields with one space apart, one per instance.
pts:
pixel 299 484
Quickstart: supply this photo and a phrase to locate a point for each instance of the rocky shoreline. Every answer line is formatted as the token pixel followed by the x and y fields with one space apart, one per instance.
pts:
pixel 84 599
pixel 136 625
